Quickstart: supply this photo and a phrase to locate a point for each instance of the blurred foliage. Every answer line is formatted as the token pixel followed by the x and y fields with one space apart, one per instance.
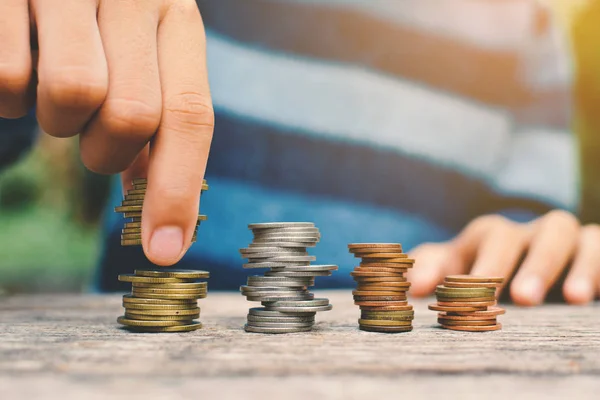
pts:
pixel 49 211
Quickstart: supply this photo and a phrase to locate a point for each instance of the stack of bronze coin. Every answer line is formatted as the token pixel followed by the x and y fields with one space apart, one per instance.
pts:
pixel 164 300
pixel 468 303
pixel 382 287
pixel 131 208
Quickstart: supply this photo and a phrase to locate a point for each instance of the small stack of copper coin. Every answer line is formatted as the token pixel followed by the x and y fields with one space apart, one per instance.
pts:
pixel 382 287
pixel 468 303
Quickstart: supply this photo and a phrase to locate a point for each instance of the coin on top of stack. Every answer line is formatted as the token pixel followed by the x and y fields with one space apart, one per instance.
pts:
pixel 468 303
pixel 382 287
pixel 164 300
pixel 131 208
pixel 283 291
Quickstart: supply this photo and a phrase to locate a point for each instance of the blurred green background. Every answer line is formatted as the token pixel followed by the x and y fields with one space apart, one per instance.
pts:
pixel 50 215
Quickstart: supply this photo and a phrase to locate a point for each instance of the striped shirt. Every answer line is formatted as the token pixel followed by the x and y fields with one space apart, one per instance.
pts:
pixel 395 121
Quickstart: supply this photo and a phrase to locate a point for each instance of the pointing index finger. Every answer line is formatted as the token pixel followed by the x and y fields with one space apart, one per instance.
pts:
pixel 179 151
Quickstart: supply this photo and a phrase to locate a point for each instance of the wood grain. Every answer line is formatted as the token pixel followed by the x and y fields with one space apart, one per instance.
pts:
pixel 71 346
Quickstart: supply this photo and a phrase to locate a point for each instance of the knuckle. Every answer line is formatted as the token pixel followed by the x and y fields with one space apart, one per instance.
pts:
pixel 592 230
pixel 14 79
pixel 562 217
pixel 189 112
pixel 81 89
pixel 131 118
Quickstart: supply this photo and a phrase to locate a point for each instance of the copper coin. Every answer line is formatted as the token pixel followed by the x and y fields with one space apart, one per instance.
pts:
pixel 374 293
pixel 464 299
pixel 373 274
pixel 474 328
pixel 405 261
pixel 355 246
pixel 481 322
pixel 471 285
pixel 466 303
pixel 376 303
pixel 449 317
pixel 490 312
pixel 381 255
pixel 379 298
pixel 385 329
pixel 437 307
pixel 376 269
pixel 381 289
pixel 406 307
pixel 384 322
pixel 381 264
pixel 387 285
pixel 473 278
pixel 377 280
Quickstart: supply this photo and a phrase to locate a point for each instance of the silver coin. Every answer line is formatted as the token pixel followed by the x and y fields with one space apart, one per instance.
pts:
pixel 263 312
pixel 309 303
pixel 287 230
pixel 287 259
pixel 254 256
pixel 271 298
pixel 276 264
pixel 262 329
pixel 302 318
pixel 300 309
pixel 295 274
pixel 275 240
pixel 270 249
pixel 281 324
pixel 281 245
pixel 268 225
pixel 281 282
pixel 306 268
pixel 293 235
pixel 251 289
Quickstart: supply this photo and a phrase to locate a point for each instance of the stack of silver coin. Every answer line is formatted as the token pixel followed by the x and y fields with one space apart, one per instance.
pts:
pixel 288 306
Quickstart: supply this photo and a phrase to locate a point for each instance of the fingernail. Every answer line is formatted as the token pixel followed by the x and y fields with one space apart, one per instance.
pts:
pixel 166 243
pixel 532 288
pixel 581 288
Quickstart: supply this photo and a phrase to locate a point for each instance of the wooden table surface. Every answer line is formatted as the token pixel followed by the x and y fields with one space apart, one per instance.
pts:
pixel 70 347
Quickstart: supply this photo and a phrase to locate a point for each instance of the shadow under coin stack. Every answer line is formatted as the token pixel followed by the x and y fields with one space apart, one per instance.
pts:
pixel 131 208
pixel 164 299
pixel 468 303
pixel 382 287
pixel 283 290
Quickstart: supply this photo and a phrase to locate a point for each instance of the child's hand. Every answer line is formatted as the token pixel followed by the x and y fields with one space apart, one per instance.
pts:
pixel 119 73
pixel 493 245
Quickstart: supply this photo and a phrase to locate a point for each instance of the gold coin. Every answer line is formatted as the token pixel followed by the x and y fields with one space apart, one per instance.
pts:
pixel 190 285
pixel 157 329
pixel 355 246
pixel 180 312
pixel 134 192
pixel 129 209
pixel 381 322
pixel 173 273
pixel 146 279
pixel 139 181
pixel 192 305
pixel 388 317
pixel 133 322
pixel 408 312
pixel 133 242
pixel 132 203
pixel 168 291
pixel 169 296
pixel 134 197
pixel 132 214
pixel 381 255
pixel 129 299
pixel 143 317
pixel 131 230
pixel 473 278
pixel 385 329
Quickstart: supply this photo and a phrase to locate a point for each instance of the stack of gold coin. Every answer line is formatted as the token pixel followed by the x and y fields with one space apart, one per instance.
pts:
pixel 382 287
pixel 164 300
pixel 468 303
pixel 131 208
